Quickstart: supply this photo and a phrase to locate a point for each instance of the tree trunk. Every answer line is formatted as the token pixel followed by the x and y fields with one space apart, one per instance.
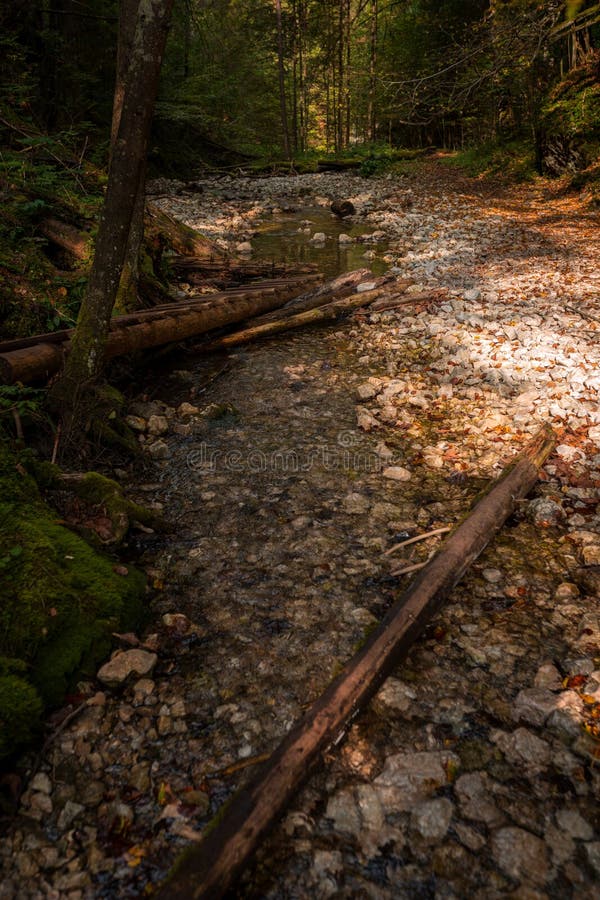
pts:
pixel 127 294
pixel 38 358
pixel 125 177
pixel 281 70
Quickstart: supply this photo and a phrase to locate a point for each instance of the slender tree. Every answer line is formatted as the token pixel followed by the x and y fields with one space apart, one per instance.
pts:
pixel 281 69
pixel 127 168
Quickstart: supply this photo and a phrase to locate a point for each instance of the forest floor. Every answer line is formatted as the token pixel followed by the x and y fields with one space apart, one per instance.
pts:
pixel 474 772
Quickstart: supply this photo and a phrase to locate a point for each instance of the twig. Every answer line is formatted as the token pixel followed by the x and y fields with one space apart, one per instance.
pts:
pixel 419 537
pixel 239 766
pixel 408 569
pixel 54 734
pixel 17 421
pixel 584 315
pixel 56 443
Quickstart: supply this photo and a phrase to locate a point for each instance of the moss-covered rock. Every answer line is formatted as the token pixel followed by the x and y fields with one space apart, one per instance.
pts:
pixel 60 602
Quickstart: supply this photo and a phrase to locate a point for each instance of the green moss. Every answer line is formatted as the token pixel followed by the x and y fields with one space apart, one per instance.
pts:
pixel 20 710
pixel 60 602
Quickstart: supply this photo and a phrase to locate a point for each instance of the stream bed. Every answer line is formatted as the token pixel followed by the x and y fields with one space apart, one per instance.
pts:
pixel 474 771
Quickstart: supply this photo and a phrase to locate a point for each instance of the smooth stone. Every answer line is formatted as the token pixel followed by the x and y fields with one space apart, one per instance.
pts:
pixel 127 663
pixel 397 473
pixel 520 854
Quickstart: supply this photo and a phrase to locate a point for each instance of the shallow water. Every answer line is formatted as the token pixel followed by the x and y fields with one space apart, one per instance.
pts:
pixel 287 237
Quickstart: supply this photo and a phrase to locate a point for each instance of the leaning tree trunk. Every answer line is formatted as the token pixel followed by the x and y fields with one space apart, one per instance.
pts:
pixel 125 175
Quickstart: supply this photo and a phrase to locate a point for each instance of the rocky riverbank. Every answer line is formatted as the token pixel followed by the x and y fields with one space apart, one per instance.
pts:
pixel 474 773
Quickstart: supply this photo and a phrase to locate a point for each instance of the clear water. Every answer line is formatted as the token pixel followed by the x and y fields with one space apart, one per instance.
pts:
pixel 283 238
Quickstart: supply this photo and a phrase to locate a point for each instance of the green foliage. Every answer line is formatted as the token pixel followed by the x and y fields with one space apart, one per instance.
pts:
pixel 61 602
pixel 572 109
pixel 25 401
pixel 20 711
pixel 512 159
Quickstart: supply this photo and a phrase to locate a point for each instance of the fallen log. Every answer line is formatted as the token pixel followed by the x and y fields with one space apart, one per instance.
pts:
pixel 199 270
pixel 142 331
pixel 335 289
pixel 208 869
pixel 164 230
pixel 328 313
pixel 67 237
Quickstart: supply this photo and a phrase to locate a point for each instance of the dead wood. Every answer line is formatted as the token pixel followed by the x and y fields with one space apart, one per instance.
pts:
pixel 40 357
pixel 67 237
pixel 208 869
pixel 328 313
pixel 163 230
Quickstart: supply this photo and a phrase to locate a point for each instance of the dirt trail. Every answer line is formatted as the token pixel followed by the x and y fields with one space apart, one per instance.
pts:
pixel 474 773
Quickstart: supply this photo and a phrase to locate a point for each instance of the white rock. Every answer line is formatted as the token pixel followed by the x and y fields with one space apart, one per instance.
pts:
pixel 159 450
pixel 345 239
pixel 365 286
pixel 122 665
pixel 318 238
pixel 244 247
pixel 397 473
pixel 157 425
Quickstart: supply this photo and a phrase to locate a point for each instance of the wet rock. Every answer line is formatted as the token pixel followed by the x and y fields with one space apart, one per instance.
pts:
pixel 394 695
pixel 318 238
pixel 159 450
pixel 521 855
pixel 589 579
pixel 355 504
pixel 566 591
pixel 244 247
pixel 524 750
pixel 432 819
pixel 345 239
pixel 125 665
pixel 548 678
pixel 408 778
pixel 157 425
pixel 571 822
pixel 474 792
pixel 41 782
pixel 68 814
pixel 397 473
pixel 342 208
pixel 593 855
pixel 534 705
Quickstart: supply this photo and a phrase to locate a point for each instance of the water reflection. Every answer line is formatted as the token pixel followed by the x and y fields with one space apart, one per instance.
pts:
pixel 286 237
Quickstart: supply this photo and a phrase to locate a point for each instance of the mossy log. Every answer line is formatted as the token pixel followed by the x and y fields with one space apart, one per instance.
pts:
pixel 162 230
pixel 102 494
pixel 207 870
pixel 35 359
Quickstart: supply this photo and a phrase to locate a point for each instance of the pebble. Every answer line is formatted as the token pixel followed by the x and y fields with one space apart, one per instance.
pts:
pixel 397 473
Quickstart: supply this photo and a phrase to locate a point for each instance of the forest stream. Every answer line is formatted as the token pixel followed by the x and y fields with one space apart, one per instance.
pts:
pixel 287 469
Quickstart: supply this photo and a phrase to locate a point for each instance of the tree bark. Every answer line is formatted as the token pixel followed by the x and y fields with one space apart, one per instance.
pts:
pixel 329 312
pixel 34 359
pixel 208 869
pixel 281 71
pixel 125 176
pixel 127 294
